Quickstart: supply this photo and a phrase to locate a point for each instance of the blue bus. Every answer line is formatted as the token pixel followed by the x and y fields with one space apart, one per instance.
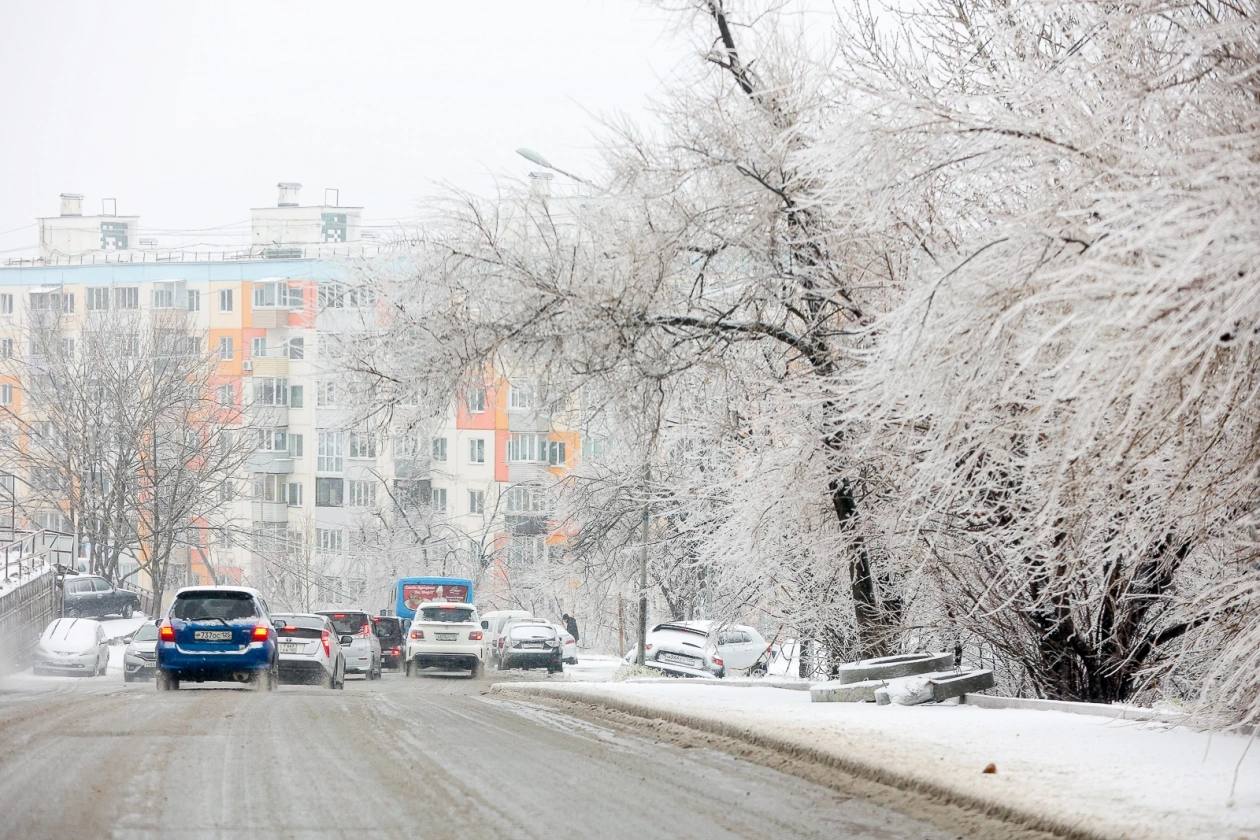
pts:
pixel 410 592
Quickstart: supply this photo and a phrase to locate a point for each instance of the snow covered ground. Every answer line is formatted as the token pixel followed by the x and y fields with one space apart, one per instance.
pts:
pixel 1109 777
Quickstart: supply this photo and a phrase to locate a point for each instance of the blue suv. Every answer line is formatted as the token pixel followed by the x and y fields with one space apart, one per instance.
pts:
pixel 217 634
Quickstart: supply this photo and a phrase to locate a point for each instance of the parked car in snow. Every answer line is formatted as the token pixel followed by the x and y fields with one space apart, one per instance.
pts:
pixel 389 630
pixel 93 596
pixel 72 646
pixel 492 623
pixel 217 634
pixel 445 635
pixel 140 657
pixel 310 650
pixel 568 645
pixel 703 648
pixel 363 651
pixel 530 643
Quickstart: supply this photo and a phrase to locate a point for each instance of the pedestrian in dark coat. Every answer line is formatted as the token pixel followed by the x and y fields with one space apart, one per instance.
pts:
pixel 570 624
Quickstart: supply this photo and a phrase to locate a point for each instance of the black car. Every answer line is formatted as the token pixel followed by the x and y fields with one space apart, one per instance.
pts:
pixel 389 630
pixel 89 596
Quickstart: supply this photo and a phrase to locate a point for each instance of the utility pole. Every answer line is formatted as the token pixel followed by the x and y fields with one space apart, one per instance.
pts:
pixel 643 561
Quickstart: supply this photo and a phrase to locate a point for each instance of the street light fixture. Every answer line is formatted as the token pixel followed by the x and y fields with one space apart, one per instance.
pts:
pixel 538 160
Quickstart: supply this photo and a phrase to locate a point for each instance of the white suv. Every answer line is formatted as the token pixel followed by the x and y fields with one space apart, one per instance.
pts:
pixel 444 634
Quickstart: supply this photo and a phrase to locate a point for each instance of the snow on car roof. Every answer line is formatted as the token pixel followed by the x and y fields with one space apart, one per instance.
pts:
pixel 447 605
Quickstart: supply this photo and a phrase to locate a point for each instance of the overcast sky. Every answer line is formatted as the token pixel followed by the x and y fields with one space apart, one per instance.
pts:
pixel 189 112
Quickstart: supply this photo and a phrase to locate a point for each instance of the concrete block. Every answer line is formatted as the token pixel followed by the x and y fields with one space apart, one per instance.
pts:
pixel 837 692
pixel 891 667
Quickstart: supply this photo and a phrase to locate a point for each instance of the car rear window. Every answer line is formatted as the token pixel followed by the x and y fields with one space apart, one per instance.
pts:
pixel 145 633
pixel 452 614
pixel 229 606
pixel 531 631
pixel 387 629
pixel 347 623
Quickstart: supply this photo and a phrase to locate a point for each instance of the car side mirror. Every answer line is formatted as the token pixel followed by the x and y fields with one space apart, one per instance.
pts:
pixel 485 625
pixel 347 639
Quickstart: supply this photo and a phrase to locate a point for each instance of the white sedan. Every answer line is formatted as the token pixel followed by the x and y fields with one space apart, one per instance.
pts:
pixel 445 635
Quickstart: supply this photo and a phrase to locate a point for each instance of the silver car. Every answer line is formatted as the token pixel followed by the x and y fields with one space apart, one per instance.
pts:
pixel 310 650
pixel 72 646
pixel 359 645
pixel 140 657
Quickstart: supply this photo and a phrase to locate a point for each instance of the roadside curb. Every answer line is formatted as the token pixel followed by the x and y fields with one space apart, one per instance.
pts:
pixel 855 765
pixel 788 685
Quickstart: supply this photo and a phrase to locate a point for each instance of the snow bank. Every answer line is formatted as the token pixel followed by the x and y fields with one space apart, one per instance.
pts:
pixel 1090 775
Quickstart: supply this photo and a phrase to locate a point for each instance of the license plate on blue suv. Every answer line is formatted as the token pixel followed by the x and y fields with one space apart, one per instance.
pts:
pixel 212 635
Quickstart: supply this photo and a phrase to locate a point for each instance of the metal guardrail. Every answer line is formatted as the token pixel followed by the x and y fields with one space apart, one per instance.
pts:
pixel 24 613
pixel 34 551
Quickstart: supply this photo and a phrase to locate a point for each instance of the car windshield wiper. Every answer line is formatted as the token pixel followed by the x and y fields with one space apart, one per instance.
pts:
pixel 210 618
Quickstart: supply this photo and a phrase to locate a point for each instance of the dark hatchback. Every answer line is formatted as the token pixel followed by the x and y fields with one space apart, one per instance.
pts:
pixel 389 630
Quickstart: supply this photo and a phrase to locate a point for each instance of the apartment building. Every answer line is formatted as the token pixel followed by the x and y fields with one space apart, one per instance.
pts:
pixel 316 485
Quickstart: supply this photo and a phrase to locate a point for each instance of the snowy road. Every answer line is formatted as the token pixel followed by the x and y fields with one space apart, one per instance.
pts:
pixel 95 758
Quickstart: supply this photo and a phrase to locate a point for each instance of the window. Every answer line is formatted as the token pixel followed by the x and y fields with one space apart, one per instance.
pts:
pixel 226 395
pixel 258 347
pixel 225 348
pixel 273 440
pixel 476 401
pixel 296 348
pixel 362 493
pixel 225 300
pixel 268 487
pixel 406 445
pixel 362 445
pixel 527 446
pixel 476 501
pixel 193 345
pixel 328 492
pixel 527 549
pixel 194 300
pixel 525 498
pixel 437 499
pixel 67 348
pixel 326 394
pixel 126 297
pixel 477 451
pixel 6 304
pixel 330 540
pixel 295 446
pixel 295 297
pixel 329 457
pixel 439 449
pixel 129 345
pixel 555 453
pixel 295 396
pixel 270 295
pixel 6 394
pixel 271 391
pixel 97 299
pixel 293 494
pixel 163 297
pixel 520 396
pixel 6 348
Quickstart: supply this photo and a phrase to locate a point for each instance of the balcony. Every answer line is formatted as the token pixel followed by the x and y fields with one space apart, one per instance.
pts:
pixel 270 317
pixel 272 366
pixel 274 463
pixel 528 472
pixel 270 512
